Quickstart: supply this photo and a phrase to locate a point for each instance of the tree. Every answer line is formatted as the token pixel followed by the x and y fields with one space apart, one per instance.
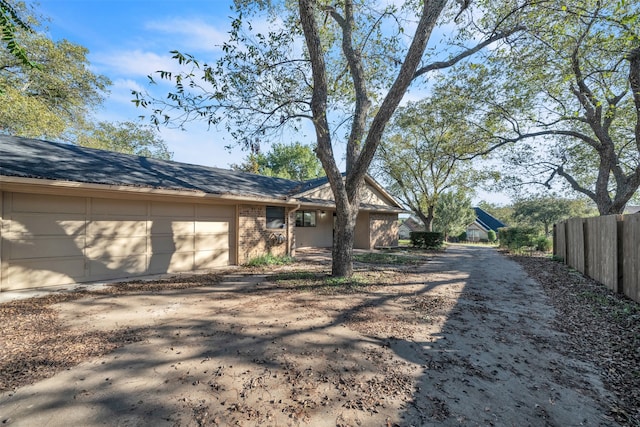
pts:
pixel 421 156
pixel 10 22
pixel 345 66
pixel 295 161
pixel 125 137
pixel 453 213
pixel 565 98
pixel 46 101
pixel 543 212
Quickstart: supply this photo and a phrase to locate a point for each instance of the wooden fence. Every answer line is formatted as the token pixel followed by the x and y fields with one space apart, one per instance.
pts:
pixel 605 248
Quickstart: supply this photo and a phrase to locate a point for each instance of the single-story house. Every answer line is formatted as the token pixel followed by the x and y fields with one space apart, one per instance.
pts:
pixel 72 214
pixel 478 230
pixel 408 226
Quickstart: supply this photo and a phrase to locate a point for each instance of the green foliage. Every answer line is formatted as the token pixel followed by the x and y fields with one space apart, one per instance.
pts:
pixel 426 239
pixel 543 244
pixel 126 137
pixel 491 236
pixel 515 238
pixel 292 161
pixel 559 101
pixel 420 157
pixel 53 99
pixel 543 212
pixel 462 236
pixel 453 213
pixel 10 23
pixel 269 259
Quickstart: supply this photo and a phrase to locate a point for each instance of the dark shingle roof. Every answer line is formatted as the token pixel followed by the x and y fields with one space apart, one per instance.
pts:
pixel 488 221
pixel 30 158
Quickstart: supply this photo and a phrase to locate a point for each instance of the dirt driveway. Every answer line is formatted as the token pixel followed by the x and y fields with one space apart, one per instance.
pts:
pixel 463 338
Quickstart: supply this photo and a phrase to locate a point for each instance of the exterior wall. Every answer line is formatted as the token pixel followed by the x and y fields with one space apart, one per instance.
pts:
pixel 52 240
pixel 255 239
pixel 368 194
pixel 475 233
pixel 362 238
pixel 384 230
pixel 320 236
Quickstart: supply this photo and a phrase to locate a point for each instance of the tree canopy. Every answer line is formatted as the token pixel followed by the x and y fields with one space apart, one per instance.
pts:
pixel 421 154
pixel 453 213
pixel 292 161
pixel 125 137
pixel 55 98
pixel 343 66
pixel 563 99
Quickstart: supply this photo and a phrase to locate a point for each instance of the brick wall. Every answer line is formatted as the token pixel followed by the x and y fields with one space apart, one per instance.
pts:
pixel 383 229
pixel 254 239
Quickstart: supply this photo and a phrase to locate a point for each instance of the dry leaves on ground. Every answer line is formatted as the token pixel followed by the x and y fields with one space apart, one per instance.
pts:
pixel 602 327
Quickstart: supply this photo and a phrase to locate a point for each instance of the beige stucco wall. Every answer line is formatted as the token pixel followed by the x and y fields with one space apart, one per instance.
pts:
pixel 320 236
pixel 368 194
pixel 384 230
pixel 480 233
pixel 362 238
pixel 52 240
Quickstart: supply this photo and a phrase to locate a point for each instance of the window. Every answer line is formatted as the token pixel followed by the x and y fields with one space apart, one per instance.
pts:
pixel 275 217
pixel 305 218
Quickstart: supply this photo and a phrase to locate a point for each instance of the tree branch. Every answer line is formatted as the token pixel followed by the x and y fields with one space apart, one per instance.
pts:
pixel 454 60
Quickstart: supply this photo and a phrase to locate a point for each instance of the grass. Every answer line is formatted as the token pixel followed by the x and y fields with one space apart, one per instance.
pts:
pixel 387 258
pixel 269 259
pixel 320 282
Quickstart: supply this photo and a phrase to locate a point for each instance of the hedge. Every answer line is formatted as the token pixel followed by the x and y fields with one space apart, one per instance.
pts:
pixel 426 239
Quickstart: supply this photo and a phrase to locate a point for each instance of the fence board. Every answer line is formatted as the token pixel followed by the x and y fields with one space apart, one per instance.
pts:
pixel 575 244
pixel 560 241
pixel 631 256
pixel 602 250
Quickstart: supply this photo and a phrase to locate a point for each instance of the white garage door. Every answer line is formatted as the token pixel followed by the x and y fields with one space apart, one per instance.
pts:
pixel 52 240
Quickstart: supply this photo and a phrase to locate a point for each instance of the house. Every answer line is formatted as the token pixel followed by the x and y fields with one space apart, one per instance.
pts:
pixel 478 230
pixel 630 210
pixel 71 214
pixel 409 225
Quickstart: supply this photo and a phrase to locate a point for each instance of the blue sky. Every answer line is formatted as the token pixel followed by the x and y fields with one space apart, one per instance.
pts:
pixel 130 39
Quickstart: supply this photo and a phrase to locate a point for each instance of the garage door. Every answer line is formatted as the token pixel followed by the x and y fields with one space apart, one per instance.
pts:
pixel 52 240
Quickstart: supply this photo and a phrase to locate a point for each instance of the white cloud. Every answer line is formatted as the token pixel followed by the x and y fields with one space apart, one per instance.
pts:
pixel 133 63
pixel 191 34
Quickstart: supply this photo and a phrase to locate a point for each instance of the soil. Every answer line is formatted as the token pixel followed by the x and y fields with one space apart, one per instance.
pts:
pixel 459 337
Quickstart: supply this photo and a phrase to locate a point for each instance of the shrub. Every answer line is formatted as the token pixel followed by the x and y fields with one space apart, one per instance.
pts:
pixel 426 239
pixel 463 236
pixel 491 236
pixel 517 237
pixel 543 244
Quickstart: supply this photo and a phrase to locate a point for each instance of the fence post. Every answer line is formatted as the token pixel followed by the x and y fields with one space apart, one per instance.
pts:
pixel 620 245
pixel 585 241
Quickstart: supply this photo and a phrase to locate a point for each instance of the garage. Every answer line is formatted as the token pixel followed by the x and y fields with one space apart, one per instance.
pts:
pixel 52 240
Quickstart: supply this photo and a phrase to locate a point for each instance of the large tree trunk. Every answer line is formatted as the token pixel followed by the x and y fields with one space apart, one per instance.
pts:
pixel 342 265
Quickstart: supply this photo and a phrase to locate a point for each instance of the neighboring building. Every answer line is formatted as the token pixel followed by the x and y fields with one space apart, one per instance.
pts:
pixel 407 226
pixel 479 229
pixel 631 210
pixel 71 214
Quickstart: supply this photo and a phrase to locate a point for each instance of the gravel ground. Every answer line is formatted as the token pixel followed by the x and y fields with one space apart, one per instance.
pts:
pixel 426 341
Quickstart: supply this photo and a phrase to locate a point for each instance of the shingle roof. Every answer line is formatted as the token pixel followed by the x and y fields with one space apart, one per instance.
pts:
pixel 32 158
pixel 29 158
pixel 487 221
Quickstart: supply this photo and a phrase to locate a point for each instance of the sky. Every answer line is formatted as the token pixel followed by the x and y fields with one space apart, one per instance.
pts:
pixel 131 39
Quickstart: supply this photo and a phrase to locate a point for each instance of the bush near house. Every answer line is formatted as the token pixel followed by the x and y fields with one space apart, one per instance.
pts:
pixel 426 239
pixel 491 236
pixel 517 237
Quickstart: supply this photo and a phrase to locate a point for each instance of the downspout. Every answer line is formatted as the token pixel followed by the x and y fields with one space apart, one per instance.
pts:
pixel 290 233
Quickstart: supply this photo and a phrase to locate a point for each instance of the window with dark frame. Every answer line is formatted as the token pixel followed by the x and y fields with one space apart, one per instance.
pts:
pixel 275 217
pixel 306 218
